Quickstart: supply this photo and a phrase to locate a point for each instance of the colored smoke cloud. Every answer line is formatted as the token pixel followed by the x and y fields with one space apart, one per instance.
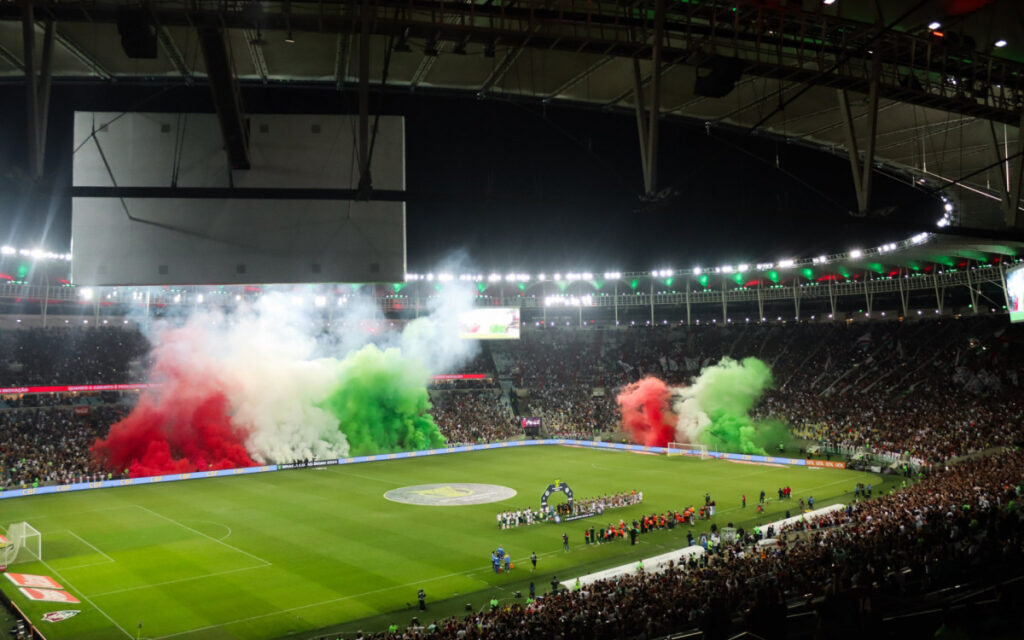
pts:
pixel 714 410
pixel 645 412
pixel 271 382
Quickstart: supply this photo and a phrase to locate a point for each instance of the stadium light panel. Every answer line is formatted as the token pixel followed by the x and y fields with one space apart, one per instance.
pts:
pixel 200 298
pixel 177 297
pixel 8 251
pixel 541 277
pixel 742 268
pixel 788 262
pixel 320 301
pixel 948 207
pixel 558 277
pixel 932 26
pixel 726 269
pixel 856 253
pixel 1000 43
pixel 697 271
pixel 588 276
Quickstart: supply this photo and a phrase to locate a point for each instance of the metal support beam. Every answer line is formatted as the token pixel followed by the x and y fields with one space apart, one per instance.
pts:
pixel 904 294
pixel 365 179
pixel 28 40
pixel 498 73
pixel 1011 173
pixel 84 57
pixel 641 123
pixel 226 97
pixel 8 56
pixel 37 88
pixel 652 141
pixel 652 302
pixel 796 299
pixel 972 291
pixel 725 305
pixel 580 77
pixel 174 54
pixel 342 55
pixel 254 43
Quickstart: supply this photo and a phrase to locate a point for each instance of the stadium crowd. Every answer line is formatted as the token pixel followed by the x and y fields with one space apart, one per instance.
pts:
pixel 960 524
pixel 70 356
pixel 882 387
pixel 51 445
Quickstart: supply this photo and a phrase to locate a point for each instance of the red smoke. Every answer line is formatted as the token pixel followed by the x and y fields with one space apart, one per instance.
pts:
pixel 645 412
pixel 168 434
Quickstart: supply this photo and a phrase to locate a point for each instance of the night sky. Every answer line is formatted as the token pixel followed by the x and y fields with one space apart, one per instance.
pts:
pixel 522 186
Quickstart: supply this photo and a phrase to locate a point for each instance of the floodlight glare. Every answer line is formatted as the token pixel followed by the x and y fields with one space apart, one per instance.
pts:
pixel 320 301
pixel 1000 43
pixel 856 253
pixel 697 271
pixel 934 25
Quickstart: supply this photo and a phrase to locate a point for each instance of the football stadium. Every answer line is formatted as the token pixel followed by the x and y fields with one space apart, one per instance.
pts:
pixel 417 320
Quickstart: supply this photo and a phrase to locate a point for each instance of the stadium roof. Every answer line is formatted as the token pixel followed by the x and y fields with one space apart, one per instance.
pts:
pixel 949 95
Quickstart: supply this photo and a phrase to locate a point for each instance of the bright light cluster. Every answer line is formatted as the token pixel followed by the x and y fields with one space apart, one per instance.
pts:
pixel 35 254
pixel 569 301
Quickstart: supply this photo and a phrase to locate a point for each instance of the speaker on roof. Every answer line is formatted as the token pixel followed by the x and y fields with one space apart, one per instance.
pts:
pixel 138 35
pixel 722 79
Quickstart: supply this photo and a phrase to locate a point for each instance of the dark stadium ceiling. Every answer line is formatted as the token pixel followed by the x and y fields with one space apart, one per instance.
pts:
pixel 949 96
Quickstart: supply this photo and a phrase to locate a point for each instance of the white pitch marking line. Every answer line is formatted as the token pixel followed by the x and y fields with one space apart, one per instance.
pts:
pixel 208 537
pixel 367 593
pixel 468 572
pixel 179 580
pixel 92 546
pixel 84 597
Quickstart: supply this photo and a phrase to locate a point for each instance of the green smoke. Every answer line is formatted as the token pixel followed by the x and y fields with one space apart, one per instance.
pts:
pixel 725 393
pixel 381 403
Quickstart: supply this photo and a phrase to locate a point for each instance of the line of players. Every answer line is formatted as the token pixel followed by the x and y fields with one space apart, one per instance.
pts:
pixel 524 517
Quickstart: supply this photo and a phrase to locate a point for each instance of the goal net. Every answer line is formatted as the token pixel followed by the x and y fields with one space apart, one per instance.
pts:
pixel 23 543
pixel 687 449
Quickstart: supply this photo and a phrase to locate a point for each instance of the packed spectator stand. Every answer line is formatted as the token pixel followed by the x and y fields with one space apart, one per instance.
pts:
pixel 926 390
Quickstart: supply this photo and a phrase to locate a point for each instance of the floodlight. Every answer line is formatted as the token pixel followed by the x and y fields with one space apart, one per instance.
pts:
pixel 199 299
pixel 697 271
pixel 934 25
pixel 320 301
pixel 789 262
pixel 856 253
pixel 948 206
pixel 1000 43
pixel 86 294
pixel 7 251
pixel 743 267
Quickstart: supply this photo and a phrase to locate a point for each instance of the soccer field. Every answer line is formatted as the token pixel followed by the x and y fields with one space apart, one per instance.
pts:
pixel 286 553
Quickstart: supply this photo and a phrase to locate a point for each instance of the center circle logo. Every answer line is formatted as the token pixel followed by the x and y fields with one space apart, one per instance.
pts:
pixel 454 494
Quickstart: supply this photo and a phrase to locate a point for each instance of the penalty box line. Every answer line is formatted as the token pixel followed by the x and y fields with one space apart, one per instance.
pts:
pixel 265 563
pixel 84 597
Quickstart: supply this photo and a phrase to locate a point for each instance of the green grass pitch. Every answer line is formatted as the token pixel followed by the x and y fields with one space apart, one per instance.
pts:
pixel 293 552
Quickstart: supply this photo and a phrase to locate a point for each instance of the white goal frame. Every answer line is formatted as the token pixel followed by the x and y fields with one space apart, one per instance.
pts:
pixel 687 449
pixel 22 536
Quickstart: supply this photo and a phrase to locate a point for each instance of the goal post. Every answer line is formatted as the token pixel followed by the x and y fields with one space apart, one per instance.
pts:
pixel 23 543
pixel 687 449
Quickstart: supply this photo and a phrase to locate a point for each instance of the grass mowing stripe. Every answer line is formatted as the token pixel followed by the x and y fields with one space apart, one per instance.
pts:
pixel 179 580
pixel 469 572
pixel 208 537
pixel 92 546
